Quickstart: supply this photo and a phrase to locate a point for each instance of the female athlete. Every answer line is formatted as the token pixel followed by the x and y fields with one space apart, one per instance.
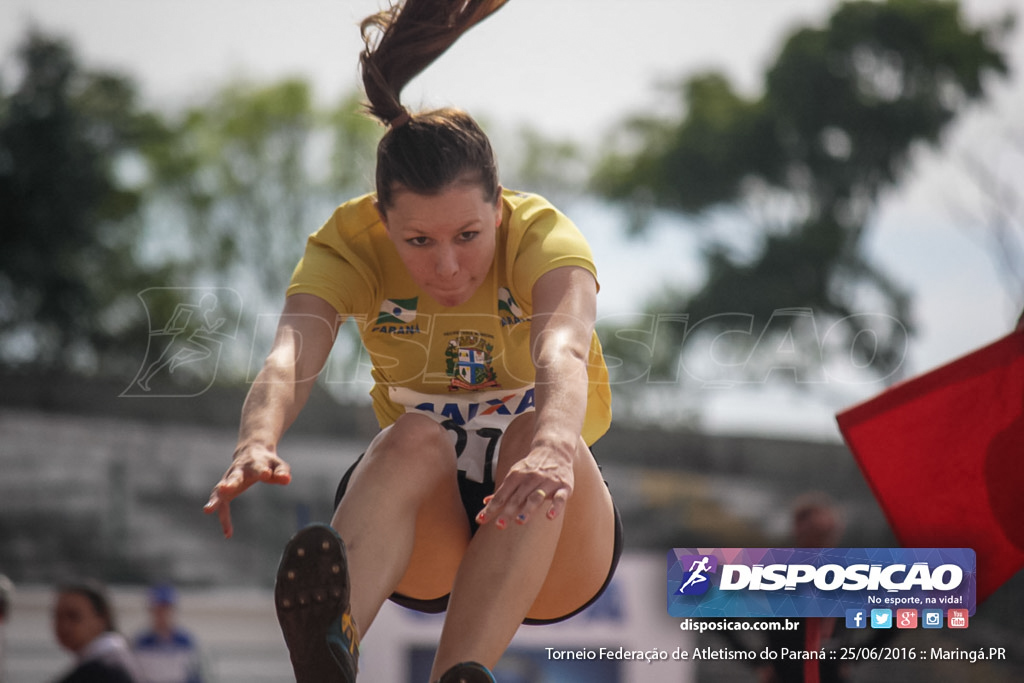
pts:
pixel 479 495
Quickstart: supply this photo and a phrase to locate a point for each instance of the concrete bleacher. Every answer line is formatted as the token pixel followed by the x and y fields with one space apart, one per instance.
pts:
pixel 123 499
pixel 112 485
pixel 91 484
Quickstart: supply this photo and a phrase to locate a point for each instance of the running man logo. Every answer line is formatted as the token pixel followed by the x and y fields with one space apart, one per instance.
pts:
pixel 189 328
pixel 695 580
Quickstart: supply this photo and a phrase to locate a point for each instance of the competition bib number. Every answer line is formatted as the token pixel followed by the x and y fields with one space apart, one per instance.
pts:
pixel 476 450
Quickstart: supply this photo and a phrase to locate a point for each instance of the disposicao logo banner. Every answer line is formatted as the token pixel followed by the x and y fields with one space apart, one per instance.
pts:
pixel 817 582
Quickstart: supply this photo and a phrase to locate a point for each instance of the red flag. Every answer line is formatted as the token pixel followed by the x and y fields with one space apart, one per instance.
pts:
pixel 944 455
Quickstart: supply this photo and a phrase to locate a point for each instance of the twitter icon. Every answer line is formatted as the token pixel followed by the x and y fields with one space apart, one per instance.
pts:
pixel 881 618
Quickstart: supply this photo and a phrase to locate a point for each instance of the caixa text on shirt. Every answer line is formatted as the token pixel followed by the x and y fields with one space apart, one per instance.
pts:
pixel 811 582
pixel 491 407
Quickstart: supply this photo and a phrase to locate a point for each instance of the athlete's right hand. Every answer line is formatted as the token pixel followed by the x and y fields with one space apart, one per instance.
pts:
pixel 250 464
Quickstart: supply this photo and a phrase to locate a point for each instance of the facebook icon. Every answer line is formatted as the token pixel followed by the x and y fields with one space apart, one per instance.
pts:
pixel 856 618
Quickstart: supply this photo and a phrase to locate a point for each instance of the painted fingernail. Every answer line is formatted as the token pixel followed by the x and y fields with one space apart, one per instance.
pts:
pixel 501 524
pixel 488 499
pixel 552 513
pixel 481 517
pixel 521 518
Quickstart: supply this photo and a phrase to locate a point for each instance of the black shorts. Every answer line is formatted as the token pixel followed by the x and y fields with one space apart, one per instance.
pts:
pixel 473 494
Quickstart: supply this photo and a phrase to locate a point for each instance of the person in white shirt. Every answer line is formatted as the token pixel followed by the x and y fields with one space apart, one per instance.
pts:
pixel 166 652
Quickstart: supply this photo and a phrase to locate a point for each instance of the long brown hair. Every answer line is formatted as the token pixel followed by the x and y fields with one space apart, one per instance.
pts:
pixel 423 152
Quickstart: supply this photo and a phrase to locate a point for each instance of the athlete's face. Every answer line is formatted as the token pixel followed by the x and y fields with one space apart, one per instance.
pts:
pixel 446 241
pixel 75 621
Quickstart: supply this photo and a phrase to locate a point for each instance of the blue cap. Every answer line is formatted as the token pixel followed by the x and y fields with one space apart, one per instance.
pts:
pixel 163 594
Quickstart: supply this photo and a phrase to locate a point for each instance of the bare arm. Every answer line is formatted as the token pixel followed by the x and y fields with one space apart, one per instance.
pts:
pixel 305 335
pixel 565 302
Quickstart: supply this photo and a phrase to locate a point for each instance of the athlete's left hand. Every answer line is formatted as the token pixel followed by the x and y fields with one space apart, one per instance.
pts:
pixel 540 483
pixel 561 333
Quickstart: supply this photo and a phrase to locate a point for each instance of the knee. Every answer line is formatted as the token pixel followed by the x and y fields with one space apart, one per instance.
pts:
pixel 415 442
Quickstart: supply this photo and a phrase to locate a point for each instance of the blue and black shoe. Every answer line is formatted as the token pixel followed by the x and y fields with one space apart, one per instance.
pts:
pixel 311 595
pixel 467 672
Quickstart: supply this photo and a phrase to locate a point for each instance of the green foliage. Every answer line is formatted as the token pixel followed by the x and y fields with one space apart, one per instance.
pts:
pixel 842 110
pixel 102 201
pixel 67 215
pixel 355 134
pixel 249 173
pixel 533 162
pixel 239 180
pixel 701 161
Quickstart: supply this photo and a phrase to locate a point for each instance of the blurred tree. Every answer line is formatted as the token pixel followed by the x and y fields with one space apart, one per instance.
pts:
pixel 238 172
pixel 67 210
pixel 809 160
pixel 993 214
pixel 534 162
pixel 354 151
pixel 240 180
pixel 113 218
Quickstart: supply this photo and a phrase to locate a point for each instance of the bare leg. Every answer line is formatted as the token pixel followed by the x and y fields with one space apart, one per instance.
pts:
pixel 543 569
pixel 401 512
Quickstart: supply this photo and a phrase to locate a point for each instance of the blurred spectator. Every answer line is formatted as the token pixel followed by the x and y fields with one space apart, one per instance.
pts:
pixel 816 523
pixel 166 652
pixel 6 595
pixel 84 624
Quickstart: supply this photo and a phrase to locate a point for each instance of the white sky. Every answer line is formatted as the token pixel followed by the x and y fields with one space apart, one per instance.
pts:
pixel 538 60
pixel 573 68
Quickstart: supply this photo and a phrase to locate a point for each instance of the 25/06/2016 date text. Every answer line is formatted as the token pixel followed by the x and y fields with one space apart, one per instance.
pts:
pixel 880 654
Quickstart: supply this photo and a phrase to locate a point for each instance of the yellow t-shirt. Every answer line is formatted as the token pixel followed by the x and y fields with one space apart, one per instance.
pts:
pixel 470 363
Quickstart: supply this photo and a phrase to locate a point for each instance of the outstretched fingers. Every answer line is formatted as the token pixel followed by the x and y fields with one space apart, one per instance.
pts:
pixel 238 478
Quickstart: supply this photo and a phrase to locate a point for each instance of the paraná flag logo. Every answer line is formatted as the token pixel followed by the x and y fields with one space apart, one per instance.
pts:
pixel 397 311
